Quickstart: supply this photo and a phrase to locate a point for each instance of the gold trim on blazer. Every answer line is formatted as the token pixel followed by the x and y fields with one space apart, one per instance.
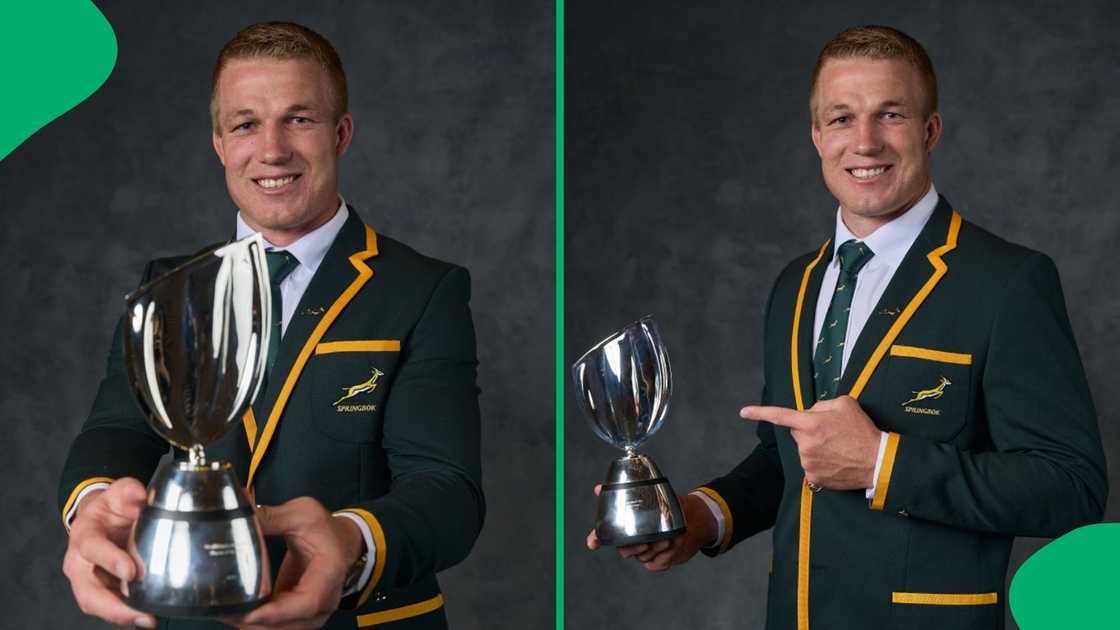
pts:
pixel 945 599
pixel 250 423
pixel 797 326
pixel 369 345
pixel 883 481
pixel 404 612
pixel 364 274
pixel 931 355
pixel 939 270
pixel 74 496
pixel 806 494
pixel 379 556
pixel 727 522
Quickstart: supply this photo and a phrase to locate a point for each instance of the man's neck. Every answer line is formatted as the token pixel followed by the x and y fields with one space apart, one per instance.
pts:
pixel 285 237
pixel 863 226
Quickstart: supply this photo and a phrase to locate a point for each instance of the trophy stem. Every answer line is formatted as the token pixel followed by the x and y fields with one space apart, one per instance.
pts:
pixel 197 455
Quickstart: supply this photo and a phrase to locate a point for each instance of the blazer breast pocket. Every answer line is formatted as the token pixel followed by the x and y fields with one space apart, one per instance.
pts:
pixel 926 392
pixel 351 381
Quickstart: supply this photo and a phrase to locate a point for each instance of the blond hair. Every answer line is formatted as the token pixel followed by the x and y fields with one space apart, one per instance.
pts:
pixel 879 43
pixel 283 41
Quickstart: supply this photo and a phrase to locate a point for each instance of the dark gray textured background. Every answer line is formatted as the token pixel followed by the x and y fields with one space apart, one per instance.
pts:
pixel 453 154
pixel 691 181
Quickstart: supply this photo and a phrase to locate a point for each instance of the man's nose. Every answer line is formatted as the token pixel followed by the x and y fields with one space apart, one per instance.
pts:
pixel 869 139
pixel 274 147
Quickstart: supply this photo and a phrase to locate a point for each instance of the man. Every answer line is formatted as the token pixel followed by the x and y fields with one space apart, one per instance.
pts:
pixel 923 400
pixel 373 488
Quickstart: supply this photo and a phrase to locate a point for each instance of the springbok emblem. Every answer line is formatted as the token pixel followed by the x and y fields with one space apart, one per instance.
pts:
pixel 360 388
pixel 935 392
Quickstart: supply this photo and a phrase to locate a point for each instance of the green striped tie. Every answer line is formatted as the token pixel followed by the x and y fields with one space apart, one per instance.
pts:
pixel 280 264
pixel 829 352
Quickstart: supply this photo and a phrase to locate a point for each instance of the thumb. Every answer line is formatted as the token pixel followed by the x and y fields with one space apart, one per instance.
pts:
pixel 287 517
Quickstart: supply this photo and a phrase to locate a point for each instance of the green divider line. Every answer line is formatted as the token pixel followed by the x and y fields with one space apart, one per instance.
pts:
pixel 561 370
pixel 56 53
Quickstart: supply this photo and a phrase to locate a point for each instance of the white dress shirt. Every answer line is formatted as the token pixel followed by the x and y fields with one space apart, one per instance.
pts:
pixel 309 250
pixel 889 243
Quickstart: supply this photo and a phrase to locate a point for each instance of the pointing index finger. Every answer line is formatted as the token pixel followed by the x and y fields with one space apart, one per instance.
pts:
pixel 780 416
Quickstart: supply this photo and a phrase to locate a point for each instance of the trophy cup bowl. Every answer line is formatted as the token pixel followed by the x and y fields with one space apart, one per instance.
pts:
pixel 195 347
pixel 623 385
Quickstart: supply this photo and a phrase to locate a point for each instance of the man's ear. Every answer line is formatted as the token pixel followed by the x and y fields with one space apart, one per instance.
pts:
pixel 815 133
pixel 218 148
pixel 933 131
pixel 344 133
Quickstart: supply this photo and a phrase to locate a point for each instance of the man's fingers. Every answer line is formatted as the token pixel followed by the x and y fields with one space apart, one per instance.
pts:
pixel 125 497
pixel 592 540
pixel 100 551
pixel 287 517
pixel 654 549
pixel 95 599
pixel 598 489
pixel 629 551
pixel 780 416
pixel 285 607
pixel 661 561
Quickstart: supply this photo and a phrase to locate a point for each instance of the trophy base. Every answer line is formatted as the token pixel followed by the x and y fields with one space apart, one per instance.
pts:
pixel 144 604
pixel 637 504
pixel 199 545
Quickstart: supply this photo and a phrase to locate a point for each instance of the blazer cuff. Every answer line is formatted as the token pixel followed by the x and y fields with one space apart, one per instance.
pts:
pixel 722 513
pixel 371 552
pixel 377 546
pixel 870 492
pixel 77 494
pixel 883 478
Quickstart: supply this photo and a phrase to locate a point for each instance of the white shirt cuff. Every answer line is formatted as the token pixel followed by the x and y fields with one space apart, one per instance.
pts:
pixel 371 556
pixel 870 492
pixel 717 513
pixel 69 518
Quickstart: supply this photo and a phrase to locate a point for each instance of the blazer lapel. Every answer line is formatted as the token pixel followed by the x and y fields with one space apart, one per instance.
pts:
pixel 802 343
pixel 920 271
pixel 340 276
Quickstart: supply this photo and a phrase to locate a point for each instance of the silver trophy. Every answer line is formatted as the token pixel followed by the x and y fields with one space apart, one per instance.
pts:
pixel 623 385
pixel 195 346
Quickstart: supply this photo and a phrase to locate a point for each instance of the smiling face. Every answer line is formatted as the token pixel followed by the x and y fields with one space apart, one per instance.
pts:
pixel 280 143
pixel 873 138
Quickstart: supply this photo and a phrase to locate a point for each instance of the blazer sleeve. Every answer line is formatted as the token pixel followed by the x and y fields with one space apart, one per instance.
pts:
pixel 1045 473
pixel 115 440
pixel 749 494
pixel 434 510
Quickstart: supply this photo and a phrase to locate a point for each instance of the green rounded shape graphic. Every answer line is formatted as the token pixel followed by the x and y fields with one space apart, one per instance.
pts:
pixel 1071 582
pixel 56 54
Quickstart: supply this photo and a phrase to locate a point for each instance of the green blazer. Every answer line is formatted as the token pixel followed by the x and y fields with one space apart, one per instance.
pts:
pixel 404 457
pixel 1004 443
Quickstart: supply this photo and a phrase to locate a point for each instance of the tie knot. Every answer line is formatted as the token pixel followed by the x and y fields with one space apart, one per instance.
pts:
pixel 853 256
pixel 280 264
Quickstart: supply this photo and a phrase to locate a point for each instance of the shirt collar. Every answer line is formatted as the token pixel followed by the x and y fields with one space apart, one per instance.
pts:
pixel 890 242
pixel 311 248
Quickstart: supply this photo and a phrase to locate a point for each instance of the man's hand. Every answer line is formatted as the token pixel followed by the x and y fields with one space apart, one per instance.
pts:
pixel 664 554
pixel 837 442
pixel 96 562
pixel 321 550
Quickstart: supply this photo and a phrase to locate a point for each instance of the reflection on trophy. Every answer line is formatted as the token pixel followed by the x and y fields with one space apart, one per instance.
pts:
pixel 195 344
pixel 623 385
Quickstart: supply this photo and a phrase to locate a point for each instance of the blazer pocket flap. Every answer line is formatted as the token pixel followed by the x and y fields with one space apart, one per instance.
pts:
pixel 359 345
pixel 928 354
